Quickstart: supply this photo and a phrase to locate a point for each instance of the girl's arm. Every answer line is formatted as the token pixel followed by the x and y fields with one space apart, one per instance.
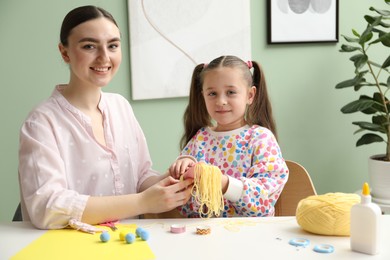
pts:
pixel 263 182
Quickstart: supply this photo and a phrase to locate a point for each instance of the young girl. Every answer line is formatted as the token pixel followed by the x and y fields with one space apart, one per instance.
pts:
pixel 83 155
pixel 229 124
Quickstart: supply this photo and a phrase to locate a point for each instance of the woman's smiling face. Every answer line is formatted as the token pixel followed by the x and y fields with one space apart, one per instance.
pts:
pixel 93 52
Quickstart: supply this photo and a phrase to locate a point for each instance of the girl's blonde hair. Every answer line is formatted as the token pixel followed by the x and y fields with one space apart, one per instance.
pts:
pixel 258 113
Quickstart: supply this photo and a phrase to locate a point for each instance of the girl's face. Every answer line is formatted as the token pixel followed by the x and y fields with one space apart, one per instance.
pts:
pixel 93 53
pixel 227 95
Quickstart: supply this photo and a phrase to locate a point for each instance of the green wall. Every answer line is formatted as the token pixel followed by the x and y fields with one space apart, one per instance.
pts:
pixel 301 80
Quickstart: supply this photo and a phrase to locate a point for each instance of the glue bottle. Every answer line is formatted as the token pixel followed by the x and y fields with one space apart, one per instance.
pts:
pixel 365 224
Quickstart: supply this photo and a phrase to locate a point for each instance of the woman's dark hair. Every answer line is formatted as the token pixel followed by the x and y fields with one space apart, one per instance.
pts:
pixel 80 15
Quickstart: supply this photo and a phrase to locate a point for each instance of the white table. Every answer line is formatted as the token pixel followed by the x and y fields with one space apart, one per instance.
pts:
pixel 234 238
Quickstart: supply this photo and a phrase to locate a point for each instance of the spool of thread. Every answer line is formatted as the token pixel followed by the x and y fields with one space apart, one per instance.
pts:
pixel 327 214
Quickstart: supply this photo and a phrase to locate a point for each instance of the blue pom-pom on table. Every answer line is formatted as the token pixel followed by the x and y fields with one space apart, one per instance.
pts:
pixel 105 236
pixel 130 238
pixel 138 231
pixel 144 235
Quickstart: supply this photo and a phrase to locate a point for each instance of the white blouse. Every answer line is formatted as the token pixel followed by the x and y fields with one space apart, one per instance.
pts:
pixel 61 163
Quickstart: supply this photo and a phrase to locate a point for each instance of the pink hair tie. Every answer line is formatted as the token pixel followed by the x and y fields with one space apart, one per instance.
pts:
pixel 205 65
pixel 250 65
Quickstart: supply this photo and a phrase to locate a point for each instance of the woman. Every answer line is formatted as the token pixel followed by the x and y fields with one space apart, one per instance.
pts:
pixel 83 155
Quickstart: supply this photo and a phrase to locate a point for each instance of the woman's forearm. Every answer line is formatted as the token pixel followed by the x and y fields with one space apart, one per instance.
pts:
pixel 109 208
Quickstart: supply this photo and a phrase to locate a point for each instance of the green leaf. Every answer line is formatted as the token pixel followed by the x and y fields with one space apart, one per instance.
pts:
pixel 359 60
pixel 376 30
pixel 366 36
pixel 384 39
pixel 369 126
pixel 363 84
pixel 355 33
pixel 368 139
pixel 388 82
pixel 374 21
pixel 380 120
pixel 381 12
pixel 350 82
pixel 379 106
pixel 375 64
pixel 386 63
pixel 383 24
pixel 350 39
pixel 357 105
pixel 376 107
pixel 358 131
pixel 349 48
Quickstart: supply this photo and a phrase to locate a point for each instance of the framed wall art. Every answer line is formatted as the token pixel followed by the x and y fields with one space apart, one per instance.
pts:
pixel 168 38
pixel 302 21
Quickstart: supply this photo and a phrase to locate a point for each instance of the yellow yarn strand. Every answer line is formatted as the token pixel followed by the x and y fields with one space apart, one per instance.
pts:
pixel 207 190
pixel 327 214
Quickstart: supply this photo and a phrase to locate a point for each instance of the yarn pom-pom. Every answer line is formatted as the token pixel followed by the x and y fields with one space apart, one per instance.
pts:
pixel 104 237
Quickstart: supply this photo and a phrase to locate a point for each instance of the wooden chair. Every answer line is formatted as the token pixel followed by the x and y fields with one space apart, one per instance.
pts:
pixel 18 214
pixel 298 186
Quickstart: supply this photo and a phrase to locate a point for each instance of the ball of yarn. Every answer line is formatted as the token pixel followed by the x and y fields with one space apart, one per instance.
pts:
pixel 327 214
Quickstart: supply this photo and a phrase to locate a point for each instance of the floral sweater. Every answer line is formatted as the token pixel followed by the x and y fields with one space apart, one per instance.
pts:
pixel 251 158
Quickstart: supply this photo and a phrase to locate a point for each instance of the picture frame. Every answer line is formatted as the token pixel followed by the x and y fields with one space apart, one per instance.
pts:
pixel 169 38
pixel 302 21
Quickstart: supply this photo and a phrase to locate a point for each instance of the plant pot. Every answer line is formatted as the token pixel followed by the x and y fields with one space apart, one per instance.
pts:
pixel 379 177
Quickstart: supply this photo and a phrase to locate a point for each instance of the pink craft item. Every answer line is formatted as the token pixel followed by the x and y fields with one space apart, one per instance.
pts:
pixel 190 172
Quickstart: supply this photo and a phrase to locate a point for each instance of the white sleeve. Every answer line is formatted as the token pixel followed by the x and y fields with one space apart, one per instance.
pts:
pixel 234 190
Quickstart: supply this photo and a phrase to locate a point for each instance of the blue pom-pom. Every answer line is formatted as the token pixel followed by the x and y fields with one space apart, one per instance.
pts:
pixel 130 238
pixel 144 235
pixel 105 236
pixel 138 231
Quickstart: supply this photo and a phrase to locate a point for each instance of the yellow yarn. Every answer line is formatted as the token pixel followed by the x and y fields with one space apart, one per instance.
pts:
pixel 327 214
pixel 207 190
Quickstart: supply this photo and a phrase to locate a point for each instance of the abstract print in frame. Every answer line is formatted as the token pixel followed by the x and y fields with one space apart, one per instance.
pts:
pixel 302 21
pixel 168 38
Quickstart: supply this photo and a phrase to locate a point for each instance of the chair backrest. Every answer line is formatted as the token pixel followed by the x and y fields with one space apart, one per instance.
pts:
pixel 18 214
pixel 298 186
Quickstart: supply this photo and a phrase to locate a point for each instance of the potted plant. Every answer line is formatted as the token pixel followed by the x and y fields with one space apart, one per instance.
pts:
pixel 372 74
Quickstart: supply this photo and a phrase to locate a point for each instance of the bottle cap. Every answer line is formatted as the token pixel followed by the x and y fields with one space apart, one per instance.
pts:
pixel 366 189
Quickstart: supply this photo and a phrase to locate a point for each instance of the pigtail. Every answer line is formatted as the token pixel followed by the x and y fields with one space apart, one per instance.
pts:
pixel 195 115
pixel 260 111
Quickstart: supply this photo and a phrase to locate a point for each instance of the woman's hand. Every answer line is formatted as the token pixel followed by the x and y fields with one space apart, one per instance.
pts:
pixel 180 166
pixel 165 195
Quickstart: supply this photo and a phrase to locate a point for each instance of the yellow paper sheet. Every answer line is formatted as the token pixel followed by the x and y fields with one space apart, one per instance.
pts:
pixel 72 244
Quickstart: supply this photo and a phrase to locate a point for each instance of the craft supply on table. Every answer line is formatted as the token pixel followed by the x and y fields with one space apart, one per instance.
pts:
pixel 81 245
pixel 122 234
pixel 177 229
pixel 104 236
pixel 327 214
pixel 322 248
pixel 303 242
pixel 144 235
pixel 366 224
pixel 110 224
pixel 203 230
pixel 78 225
pixel 138 231
pixel 207 189
pixel 130 238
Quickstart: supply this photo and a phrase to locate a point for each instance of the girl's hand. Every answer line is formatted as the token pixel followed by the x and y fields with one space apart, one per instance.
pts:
pixel 180 166
pixel 166 195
